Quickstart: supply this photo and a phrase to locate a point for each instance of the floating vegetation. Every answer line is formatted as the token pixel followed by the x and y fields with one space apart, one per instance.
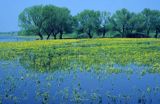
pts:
pixel 52 55
pixel 148 89
pixel 143 72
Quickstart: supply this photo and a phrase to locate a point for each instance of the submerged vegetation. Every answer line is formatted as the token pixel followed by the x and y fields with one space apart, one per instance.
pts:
pixel 85 54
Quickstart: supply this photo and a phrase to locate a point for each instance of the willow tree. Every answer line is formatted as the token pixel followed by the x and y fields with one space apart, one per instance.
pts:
pixel 104 22
pixel 88 21
pixel 64 21
pixel 155 21
pixel 31 20
pixel 120 21
pixel 50 25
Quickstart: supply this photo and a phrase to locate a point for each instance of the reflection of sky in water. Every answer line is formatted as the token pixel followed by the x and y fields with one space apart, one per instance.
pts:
pixel 14 39
pixel 24 86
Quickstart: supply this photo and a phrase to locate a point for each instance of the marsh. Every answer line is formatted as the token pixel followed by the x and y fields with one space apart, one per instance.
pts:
pixel 80 71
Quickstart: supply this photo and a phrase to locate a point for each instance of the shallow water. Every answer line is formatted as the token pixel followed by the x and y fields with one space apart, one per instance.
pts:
pixel 14 39
pixel 25 86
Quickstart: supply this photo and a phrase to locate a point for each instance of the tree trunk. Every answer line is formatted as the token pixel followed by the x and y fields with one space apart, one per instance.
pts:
pixel 156 36
pixel 40 35
pixel 132 30
pixel 123 30
pixel 48 36
pixel 104 33
pixel 61 34
pixel 148 32
pixel 55 36
pixel 89 34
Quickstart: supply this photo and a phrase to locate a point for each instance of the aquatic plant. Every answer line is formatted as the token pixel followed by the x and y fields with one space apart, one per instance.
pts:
pixel 52 55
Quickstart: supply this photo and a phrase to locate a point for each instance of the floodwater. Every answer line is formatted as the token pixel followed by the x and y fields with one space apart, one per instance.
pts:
pixel 25 86
pixel 14 38
pixel 19 84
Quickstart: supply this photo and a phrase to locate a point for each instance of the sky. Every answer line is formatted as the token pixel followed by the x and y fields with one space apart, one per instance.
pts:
pixel 10 9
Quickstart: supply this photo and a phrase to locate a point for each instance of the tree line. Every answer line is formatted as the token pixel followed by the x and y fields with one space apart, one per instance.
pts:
pixel 55 21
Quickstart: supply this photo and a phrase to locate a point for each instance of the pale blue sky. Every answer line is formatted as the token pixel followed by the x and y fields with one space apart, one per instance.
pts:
pixel 10 9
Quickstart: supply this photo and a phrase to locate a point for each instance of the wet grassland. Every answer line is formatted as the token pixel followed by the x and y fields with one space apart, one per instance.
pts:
pixel 80 71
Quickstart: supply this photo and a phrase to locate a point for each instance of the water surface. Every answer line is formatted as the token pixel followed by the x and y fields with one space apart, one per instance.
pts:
pixel 25 86
pixel 15 38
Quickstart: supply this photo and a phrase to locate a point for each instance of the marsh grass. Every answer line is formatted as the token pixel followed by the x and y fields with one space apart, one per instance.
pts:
pixel 86 54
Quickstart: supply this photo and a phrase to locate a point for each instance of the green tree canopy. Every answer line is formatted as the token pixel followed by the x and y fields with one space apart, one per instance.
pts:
pixel 47 19
pixel 120 21
pixel 88 21
pixel 31 20
pixel 64 21
pixel 155 21
pixel 104 22
pixel 51 20
pixel 50 25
